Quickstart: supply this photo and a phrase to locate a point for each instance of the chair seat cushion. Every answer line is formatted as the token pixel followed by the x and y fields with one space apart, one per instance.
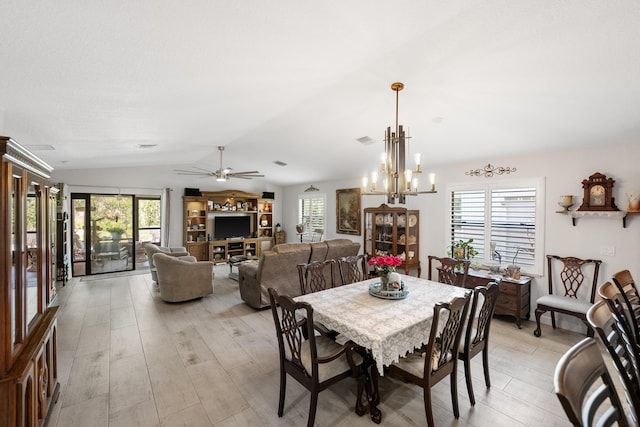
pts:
pixel 413 363
pixel 325 346
pixel 565 303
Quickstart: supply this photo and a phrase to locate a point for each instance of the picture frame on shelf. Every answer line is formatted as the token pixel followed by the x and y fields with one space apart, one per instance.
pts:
pixel 348 214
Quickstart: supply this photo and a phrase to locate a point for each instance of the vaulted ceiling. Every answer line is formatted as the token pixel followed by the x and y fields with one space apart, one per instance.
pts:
pixel 149 82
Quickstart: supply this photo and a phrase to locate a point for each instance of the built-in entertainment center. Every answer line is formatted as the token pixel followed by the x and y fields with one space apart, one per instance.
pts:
pixel 221 224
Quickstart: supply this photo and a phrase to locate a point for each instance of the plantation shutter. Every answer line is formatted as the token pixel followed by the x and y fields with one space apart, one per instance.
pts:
pixel 506 217
pixel 468 218
pixel 513 224
pixel 311 212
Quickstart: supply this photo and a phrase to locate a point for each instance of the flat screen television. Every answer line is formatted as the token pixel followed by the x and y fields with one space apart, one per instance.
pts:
pixel 227 226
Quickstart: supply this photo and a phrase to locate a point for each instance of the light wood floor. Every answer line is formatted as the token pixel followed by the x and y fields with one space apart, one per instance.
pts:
pixel 126 358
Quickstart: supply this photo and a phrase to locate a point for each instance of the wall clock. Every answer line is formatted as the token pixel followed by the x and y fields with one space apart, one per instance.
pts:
pixel 598 196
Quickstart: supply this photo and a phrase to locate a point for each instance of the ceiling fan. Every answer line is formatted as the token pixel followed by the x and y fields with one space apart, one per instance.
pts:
pixel 222 174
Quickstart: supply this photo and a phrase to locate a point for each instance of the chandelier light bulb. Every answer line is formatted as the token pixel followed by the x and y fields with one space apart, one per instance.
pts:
pixel 414 184
pixel 418 158
pixel 407 178
pixel 432 180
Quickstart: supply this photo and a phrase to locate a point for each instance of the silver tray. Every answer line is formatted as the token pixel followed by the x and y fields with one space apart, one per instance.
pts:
pixel 374 290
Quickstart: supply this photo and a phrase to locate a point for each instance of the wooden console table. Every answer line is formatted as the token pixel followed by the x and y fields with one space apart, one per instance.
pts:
pixel 513 297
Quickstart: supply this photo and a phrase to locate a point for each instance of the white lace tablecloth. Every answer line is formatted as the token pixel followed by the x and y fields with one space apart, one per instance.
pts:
pixel 389 328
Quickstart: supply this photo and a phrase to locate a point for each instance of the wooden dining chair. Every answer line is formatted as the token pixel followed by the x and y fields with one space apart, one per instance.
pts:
pixel 450 271
pixel 353 268
pixel 579 370
pixel 614 337
pixel 624 318
pixel 316 361
pixel 317 234
pixel 568 299
pixel 629 292
pixel 624 281
pixel 316 276
pixel 438 359
pixel 476 335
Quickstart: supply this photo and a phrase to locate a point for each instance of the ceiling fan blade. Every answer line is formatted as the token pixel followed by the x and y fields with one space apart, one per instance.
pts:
pixel 245 173
pixel 183 172
pixel 246 176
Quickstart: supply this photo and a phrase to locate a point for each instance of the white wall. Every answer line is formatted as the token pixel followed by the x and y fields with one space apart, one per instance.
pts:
pixel 563 172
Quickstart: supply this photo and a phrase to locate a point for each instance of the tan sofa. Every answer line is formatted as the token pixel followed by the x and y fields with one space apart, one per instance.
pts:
pixel 183 278
pixel 278 268
pixel 152 249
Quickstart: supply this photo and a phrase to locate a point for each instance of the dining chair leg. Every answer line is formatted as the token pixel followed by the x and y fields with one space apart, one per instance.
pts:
pixel 485 365
pixel 361 408
pixel 283 387
pixel 538 331
pixel 454 394
pixel 553 319
pixel 427 406
pixel 467 376
pixel 312 408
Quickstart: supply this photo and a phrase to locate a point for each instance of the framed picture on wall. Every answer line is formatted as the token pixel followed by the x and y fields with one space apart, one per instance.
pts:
pixel 348 211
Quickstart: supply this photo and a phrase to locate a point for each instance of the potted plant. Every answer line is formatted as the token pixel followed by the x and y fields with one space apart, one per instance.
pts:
pixel 462 249
pixel 116 229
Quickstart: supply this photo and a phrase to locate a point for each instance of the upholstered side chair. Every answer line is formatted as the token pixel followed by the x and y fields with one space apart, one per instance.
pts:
pixel 567 295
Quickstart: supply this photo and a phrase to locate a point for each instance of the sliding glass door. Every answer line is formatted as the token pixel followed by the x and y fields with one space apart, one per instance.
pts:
pixel 110 231
pixel 103 238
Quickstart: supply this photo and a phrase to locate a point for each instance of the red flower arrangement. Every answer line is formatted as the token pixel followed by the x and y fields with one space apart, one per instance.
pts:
pixel 385 264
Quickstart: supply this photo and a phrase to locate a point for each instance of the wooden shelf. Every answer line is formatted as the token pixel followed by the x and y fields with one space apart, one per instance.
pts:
pixel 615 215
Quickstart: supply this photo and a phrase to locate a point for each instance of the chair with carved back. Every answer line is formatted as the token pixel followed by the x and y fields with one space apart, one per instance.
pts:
pixel 316 276
pixel 450 271
pixel 578 371
pixel 353 268
pixel 476 335
pixel 613 336
pixel 573 299
pixel 316 361
pixel 316 235
pixel 439 358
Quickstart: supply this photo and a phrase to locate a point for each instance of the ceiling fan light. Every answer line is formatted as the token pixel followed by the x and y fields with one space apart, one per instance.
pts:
pixel 221 179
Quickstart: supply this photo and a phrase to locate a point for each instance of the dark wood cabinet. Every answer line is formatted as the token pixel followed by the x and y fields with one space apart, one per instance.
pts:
pixel 514 295
pixel 393 231
pixel 28 363
pixel 62 257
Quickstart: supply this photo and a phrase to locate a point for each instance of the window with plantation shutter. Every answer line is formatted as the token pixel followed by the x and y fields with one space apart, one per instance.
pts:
pixel 504 219
pixel 311 212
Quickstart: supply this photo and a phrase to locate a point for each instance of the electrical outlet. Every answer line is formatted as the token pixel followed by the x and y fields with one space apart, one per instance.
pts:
pixel 607 250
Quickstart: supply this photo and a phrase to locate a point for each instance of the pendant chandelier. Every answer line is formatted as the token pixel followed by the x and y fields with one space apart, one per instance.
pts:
pixel 397 181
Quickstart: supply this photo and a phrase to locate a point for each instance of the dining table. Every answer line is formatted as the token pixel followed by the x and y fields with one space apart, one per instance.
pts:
pixel 387 327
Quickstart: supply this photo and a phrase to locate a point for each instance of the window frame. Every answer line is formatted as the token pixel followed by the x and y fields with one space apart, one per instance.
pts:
pixel 488 187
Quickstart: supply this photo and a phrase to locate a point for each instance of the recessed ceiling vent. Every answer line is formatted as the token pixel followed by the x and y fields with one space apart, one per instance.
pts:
pixel 40 147
pixel 145 146
pixel 279 163
pixel 365 140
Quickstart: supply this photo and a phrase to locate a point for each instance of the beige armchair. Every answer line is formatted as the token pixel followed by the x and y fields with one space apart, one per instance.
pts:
pixel 152 249
pixel 184 278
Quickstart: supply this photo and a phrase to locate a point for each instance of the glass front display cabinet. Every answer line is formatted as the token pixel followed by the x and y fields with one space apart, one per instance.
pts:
pixel 393 231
